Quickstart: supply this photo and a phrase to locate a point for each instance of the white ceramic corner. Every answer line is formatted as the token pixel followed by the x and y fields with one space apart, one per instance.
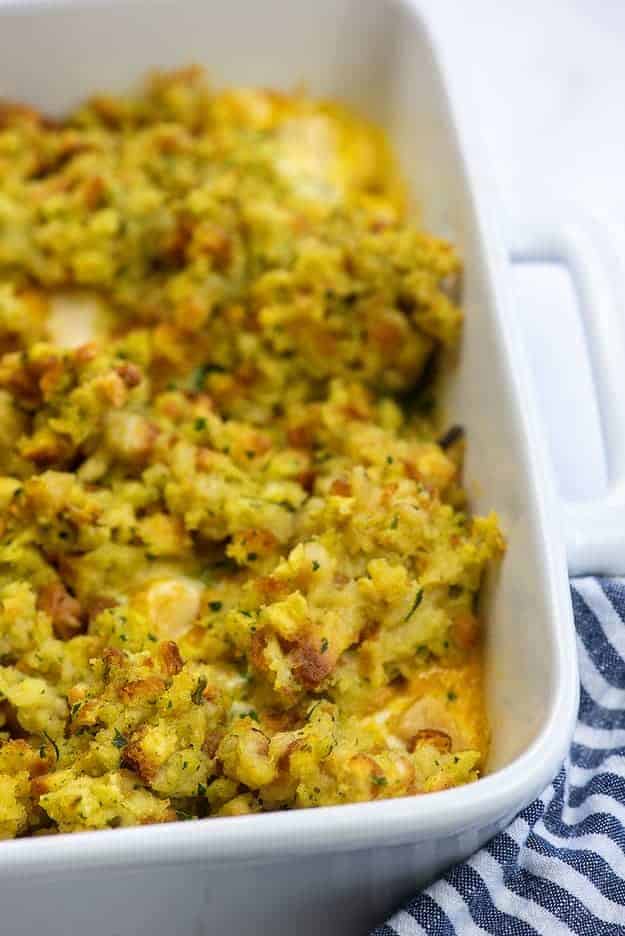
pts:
pixel 333 870
pixel 594 252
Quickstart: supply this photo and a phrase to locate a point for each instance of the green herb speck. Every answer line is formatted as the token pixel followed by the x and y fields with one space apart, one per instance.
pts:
pixel 52 742
pixel 251 714
pixel 415 604
pixel 196 695
pixel 199 376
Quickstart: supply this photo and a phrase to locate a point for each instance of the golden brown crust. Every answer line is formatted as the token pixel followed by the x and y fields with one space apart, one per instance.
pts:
pixel 310 663
pixel 438 739
pixel 170 655
pixel 142 689
pixel 238 573
pixel 63 609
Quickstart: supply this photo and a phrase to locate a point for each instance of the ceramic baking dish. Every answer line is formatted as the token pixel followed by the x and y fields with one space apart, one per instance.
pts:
pixel 335 870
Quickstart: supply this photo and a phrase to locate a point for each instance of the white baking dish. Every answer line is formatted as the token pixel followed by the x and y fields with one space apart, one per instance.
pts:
pixel 332 870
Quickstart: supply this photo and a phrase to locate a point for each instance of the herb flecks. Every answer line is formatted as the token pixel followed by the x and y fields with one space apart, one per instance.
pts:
pixel 198 378
pixel 251 714
pixel 197 695
pixel 53 743
pixel 119 741
pixel 415 604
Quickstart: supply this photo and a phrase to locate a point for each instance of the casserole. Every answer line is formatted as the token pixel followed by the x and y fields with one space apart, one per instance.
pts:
pixel 337 869
pixel 247 572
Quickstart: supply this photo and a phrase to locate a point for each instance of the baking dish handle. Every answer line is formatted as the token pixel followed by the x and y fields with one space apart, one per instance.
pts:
pixel 594 254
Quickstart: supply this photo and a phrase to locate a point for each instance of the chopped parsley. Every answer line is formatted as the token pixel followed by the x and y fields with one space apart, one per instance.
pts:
pixel 415 604
pixel 452 696
pixel 215 605
pixel 119 740
pixel 324 644
pixel 251 714
pixel 52 742
pixel 315 565
pixel 201 789
pixel 197 694
pixel 379 781
pixel 199 424
pixel 200 373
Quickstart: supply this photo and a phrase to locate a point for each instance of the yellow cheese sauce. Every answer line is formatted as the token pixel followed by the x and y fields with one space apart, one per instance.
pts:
pixel 238 572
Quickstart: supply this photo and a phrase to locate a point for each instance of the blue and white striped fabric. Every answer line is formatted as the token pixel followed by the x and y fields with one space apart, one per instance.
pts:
pixel 560 867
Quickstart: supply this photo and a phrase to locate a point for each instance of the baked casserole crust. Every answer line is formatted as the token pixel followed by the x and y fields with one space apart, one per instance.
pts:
pixel 237 567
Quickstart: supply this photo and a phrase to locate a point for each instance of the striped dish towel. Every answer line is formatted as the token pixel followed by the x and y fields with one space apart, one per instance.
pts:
pixel 560 867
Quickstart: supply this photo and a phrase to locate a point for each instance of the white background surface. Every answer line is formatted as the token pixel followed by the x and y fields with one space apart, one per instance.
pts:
pixel 546 83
